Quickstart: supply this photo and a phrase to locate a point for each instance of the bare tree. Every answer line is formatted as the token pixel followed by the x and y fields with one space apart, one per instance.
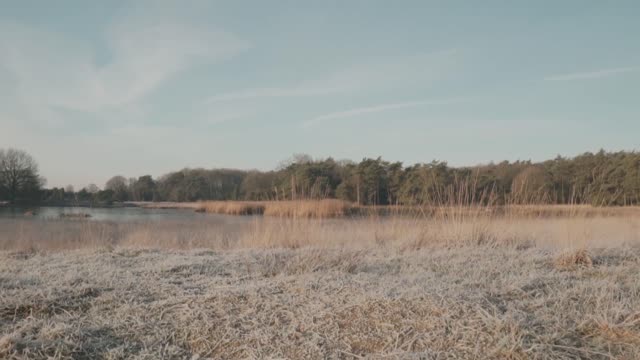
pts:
pixel 118 184
pixel 18 174
pixel 69 189
pixel 92 188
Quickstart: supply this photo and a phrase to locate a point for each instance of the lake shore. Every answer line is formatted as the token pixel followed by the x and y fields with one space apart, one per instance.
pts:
pixel 331 208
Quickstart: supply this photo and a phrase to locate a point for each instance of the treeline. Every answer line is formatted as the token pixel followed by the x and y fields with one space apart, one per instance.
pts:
pixel 602 179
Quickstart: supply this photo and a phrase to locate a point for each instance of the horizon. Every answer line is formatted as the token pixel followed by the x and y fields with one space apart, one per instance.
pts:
pixel 97 90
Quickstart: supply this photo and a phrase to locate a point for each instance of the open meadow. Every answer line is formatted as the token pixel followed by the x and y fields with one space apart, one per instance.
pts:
pixel 471 284
pixel 433 180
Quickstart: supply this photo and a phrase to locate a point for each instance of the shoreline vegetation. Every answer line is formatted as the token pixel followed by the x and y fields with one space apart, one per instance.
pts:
pixel 324 224
pixel 331 208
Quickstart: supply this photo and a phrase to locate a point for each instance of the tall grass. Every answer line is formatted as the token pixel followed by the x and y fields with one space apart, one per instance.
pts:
pixel 331 208
pixel 232 207
pixel 452 217
pixel 327 208
pixel 400 233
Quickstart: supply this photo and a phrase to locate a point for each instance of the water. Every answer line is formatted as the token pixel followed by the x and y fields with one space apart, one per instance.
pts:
pixel 57 228
pixel 125 214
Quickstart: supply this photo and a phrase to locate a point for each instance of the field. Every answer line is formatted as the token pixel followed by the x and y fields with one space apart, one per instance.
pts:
pixel 546 284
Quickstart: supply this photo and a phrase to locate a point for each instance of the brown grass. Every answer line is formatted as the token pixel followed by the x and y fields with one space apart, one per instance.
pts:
pixel 332 208
pixel 467 284
pixel 232 207
pixel 297 209
pixel 573 259
pixel 462 302
pixel 225 233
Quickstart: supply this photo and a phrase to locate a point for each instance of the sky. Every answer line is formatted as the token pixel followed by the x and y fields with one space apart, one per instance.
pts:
pixel 93 89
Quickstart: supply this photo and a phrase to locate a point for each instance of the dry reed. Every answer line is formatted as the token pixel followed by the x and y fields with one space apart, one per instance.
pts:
pixel 458 229
pixel 332 208
pixel 298 209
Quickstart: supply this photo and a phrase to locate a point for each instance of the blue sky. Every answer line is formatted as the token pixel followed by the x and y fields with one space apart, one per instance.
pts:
pixel 94 89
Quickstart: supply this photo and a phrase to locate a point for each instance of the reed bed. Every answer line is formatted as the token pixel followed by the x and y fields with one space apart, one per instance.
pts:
pixel 229 233
pixel 328 208
pixel 332 208
pixel 232 207
pixel 570 210
pixel 310 209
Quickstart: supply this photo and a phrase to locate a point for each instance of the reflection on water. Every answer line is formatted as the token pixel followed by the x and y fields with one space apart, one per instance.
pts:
pixel 160 228
pixel 127 214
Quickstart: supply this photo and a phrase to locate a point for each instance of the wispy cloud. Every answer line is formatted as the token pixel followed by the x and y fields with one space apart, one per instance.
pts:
pixel 592 74
pixel 143 55
pixel 61 92
pixel 273 92
pixel 371 74
pixel 376 109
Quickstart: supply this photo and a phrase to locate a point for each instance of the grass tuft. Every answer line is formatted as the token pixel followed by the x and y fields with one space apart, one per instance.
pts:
pixel 574 259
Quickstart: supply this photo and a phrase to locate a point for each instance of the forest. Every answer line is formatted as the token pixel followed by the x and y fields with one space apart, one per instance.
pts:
pixel 600 179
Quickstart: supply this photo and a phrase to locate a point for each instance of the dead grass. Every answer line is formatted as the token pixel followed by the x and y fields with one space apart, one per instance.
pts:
pixel 233 207
pixel 332 208
pixel 329 208
pixel 296 209
pixel 574 259
pixel 554 211
pixel 408 234
pixel 463 302
pixel 300 286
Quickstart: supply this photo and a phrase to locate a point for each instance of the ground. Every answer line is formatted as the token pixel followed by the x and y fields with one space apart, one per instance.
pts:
pixel 440 302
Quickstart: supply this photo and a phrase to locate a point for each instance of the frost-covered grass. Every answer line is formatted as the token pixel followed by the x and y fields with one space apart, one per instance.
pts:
pixel 395 288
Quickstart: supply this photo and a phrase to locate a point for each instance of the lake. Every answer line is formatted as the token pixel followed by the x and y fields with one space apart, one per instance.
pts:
pixel 157 228
pixel 127 226
pixel 118 214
